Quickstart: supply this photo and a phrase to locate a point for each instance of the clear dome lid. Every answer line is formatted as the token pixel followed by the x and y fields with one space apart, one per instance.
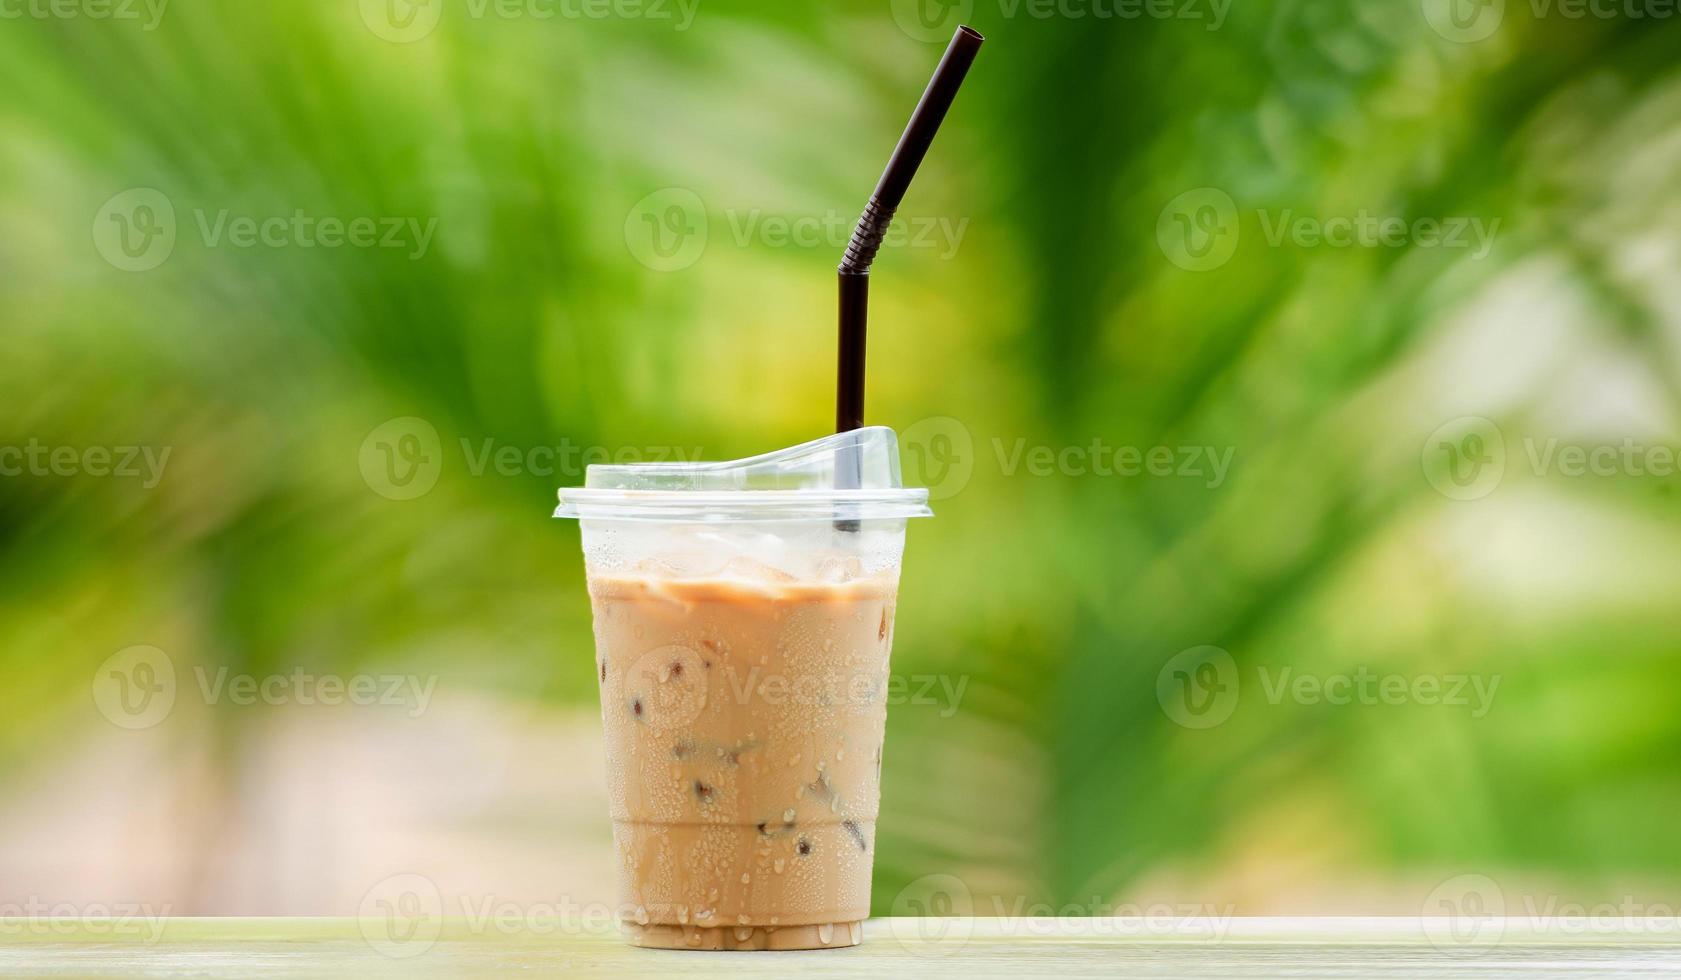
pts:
pixel 847 476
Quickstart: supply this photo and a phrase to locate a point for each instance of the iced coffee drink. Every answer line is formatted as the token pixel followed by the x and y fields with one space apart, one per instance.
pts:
pixel 744 717
pixel 742 641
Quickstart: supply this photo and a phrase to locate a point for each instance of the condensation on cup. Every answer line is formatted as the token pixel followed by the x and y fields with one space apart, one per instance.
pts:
pixel 743 620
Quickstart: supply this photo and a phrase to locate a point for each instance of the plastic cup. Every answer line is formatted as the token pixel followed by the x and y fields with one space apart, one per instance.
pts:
pixel 743 620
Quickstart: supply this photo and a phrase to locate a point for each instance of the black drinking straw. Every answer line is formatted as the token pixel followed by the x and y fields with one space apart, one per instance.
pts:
pixel 872 226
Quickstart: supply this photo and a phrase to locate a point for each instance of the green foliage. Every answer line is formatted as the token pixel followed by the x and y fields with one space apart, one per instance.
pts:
pixel 537 317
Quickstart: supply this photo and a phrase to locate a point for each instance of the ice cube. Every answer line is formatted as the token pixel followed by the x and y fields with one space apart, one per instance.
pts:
pixel 657 568
pixel 839 568
pixel 753 570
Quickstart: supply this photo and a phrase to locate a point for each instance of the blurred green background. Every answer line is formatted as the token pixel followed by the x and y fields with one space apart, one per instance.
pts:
pixel 611 228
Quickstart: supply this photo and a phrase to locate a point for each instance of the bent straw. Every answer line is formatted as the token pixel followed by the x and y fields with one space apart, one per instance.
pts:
pixel 878 214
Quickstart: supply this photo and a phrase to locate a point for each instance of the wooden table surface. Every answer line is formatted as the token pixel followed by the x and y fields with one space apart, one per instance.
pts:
pixel 899 948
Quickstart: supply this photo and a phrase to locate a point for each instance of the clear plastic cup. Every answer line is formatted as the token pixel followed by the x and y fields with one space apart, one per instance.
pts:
pixel 743 620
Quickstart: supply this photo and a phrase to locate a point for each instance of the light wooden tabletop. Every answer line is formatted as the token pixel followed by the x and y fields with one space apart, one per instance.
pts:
pixel 902 948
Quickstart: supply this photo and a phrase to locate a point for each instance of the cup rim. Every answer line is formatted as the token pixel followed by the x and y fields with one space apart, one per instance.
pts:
pixel 726 506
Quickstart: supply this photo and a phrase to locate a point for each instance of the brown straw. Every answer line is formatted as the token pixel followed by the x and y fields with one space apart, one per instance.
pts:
pixel 878 214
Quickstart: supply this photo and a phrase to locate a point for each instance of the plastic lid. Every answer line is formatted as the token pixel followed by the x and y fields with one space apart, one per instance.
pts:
pixel 847 476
